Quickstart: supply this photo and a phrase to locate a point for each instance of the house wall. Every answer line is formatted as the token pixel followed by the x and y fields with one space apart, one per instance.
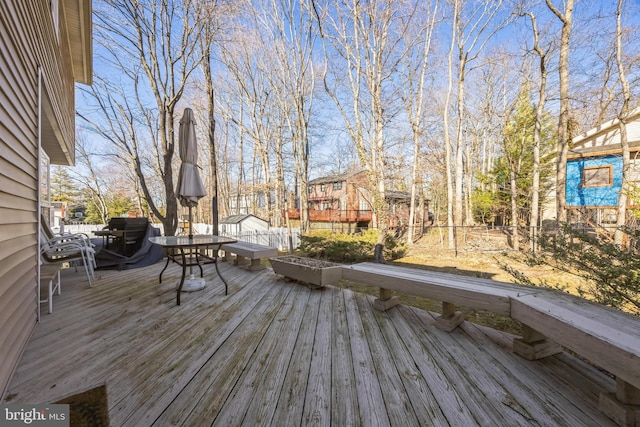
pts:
pixel 254 224
pixel 27 42
pixel 608 136
pixel 325 193
pixel 358 190
pixel 346 198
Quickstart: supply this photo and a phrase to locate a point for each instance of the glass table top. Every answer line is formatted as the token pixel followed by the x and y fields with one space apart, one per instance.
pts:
pixel 196 240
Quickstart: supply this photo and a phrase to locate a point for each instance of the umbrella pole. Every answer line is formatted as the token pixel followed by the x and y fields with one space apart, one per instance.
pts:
pixel 190 238
pixel 190 225
pixel 192 284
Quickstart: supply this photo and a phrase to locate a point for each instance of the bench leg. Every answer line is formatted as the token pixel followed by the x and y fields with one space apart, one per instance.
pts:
pixel 386 300
pixel 256 265
pixel 228 257
pixel 450 318
pixel 240 260
pixel 623 406
pixel 533 345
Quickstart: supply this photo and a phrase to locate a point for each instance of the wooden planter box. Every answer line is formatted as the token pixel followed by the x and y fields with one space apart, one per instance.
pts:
pixel 307 270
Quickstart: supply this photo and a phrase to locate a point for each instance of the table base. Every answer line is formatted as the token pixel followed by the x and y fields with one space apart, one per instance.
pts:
pixel 193 284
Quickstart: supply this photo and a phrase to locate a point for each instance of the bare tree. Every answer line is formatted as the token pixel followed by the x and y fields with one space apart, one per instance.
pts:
pixel 153 44
pixel 368 38
pixel 474 24
pixel 622 117
pixel 257 117
pixel 120 127
pixel 287 33
pixel 91 180
pixel 542 93
pixel 447 132
pixel 294 35
pixel 564 134
pixel 471 35
pixel 413 96
pixel 211 12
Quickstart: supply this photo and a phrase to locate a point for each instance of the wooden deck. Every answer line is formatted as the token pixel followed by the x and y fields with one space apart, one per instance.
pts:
pixel 277 353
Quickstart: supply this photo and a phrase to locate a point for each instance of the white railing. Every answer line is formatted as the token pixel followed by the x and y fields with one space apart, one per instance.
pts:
pixel 80 228
pixel 280 238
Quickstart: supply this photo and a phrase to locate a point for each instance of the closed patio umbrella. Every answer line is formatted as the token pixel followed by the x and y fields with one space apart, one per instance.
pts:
pixel 190 188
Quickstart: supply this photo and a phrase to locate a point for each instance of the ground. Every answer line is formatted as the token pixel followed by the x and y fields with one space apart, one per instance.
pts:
pixel 486 265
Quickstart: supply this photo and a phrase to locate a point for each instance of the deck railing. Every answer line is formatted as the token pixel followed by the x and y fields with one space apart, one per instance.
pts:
pixel 334 215
pixel 278 237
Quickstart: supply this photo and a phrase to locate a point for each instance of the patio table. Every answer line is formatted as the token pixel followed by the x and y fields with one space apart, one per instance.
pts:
pixel 185 251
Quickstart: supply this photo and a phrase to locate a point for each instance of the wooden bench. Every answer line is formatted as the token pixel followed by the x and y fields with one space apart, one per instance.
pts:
pixel 248 251
pixel 49 273
pixel 606 337
pixel 551 320
pixel 450 289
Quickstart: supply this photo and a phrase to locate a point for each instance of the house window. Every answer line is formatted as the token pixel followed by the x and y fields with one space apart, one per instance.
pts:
pixel 364 204
pixel 337 185
pixel 310 189
pixel 597 176
pixel 323 187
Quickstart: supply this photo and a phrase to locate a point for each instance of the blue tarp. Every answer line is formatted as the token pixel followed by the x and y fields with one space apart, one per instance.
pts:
pixel 148 254
pixel 604 196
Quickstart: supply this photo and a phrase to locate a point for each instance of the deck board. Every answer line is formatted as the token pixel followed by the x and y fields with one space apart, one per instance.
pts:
pixel 291 399
pixel 344 402
pixel 317 400
pixel 370 402
pixel 423 403
pixel 273 352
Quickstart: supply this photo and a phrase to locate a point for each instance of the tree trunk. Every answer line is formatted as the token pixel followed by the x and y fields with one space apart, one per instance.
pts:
pixel 447 135
pixel 514 208
pixel 564 134
pixel 458 215
pixel 626 161
pixel 535 196
pixel 212 147
pixel 414 177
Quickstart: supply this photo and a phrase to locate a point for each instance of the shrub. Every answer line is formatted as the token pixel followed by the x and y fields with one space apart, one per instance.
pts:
pixel 348 248
pixel 612 272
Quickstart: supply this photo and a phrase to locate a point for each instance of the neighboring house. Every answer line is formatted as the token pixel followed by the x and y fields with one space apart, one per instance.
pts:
pixel 343 202
pixel 594 171
pixel 57 214
pixel 247 223
pixel 45 47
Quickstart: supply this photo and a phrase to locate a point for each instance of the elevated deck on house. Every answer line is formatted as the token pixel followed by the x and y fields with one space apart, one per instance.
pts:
pixel 277 353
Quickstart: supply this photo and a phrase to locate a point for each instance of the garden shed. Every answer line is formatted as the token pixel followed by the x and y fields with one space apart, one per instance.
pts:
pixel 245 223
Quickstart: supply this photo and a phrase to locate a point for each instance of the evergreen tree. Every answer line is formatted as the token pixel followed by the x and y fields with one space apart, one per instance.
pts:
pixel 63 187
pixel 513 169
